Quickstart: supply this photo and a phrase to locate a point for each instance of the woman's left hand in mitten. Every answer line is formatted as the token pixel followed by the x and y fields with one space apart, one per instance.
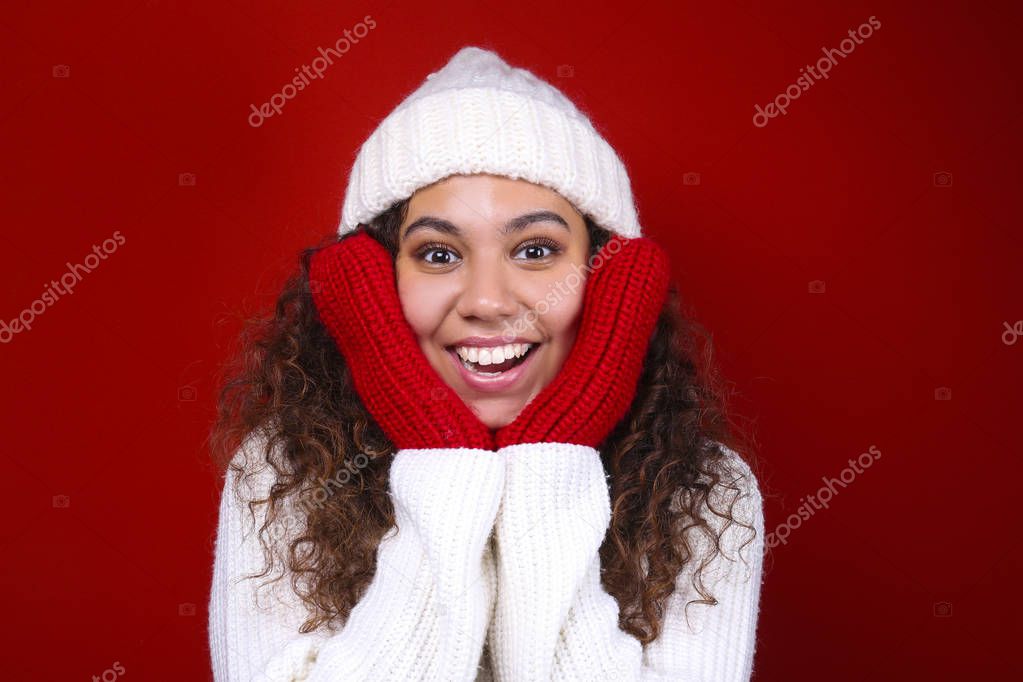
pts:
pixel 622 299
pixel 556 507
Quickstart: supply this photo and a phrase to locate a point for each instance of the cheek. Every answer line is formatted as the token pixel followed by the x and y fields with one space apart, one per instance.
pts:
pixel 561 309
pixel 422 302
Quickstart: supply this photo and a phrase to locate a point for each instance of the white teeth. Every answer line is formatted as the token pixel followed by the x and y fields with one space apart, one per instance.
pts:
pixel 494 355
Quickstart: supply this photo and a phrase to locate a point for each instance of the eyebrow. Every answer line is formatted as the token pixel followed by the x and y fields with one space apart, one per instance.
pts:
pixel 513 225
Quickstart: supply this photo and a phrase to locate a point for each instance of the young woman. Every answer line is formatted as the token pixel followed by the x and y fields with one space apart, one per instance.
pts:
pixel 478 437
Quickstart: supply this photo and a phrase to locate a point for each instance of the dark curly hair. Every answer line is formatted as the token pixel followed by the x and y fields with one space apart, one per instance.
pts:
pixel 290 383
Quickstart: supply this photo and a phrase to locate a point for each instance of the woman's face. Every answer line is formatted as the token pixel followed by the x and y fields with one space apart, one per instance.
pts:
pixel 487 268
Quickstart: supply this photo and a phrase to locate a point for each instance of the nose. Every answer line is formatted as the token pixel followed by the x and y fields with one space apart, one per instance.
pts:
pixel 487 293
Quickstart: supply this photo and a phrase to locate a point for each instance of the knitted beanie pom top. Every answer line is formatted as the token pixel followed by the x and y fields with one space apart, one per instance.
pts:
pixel 479 115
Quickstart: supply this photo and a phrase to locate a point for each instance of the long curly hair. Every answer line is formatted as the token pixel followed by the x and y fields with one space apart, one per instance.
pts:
pixel 289 382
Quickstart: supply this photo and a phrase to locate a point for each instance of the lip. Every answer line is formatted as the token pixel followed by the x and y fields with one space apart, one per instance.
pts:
pixel 496 384
pixel 489 341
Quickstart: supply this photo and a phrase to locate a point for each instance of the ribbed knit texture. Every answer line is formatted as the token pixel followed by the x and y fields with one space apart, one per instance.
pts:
pixel 554 620
pixel 479 115
pixel 354 291
pixel 425 615
pixel 623 297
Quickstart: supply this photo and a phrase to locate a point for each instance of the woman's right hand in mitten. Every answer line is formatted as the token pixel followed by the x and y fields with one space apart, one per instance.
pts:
pixel 354 290
pixel 432 596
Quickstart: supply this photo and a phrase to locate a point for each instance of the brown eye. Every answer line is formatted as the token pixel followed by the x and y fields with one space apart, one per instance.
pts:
pixel 536 248
pixel 443 254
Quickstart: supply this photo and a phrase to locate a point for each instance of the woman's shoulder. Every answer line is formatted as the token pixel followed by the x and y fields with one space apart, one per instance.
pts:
pixel 731 509
pixel 255 464
pixel 738 489
pixel 737 475
pixel 255 467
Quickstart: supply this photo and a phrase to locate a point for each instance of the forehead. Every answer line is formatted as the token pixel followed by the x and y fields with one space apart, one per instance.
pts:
pixel 484 194
pixel 484 205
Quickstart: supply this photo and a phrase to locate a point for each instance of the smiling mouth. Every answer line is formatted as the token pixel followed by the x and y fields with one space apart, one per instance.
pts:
pixel 493 369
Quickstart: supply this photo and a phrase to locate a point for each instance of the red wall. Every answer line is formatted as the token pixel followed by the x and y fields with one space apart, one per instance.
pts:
pixel 109 395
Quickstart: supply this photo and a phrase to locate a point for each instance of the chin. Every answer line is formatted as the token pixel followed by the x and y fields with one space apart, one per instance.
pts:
pixel 495 424
pixel 494 417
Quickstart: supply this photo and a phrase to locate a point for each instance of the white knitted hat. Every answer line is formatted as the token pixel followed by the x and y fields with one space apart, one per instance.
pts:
pixel 480 115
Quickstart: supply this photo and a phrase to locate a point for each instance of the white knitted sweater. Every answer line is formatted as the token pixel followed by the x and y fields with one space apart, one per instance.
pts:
pixel 491 574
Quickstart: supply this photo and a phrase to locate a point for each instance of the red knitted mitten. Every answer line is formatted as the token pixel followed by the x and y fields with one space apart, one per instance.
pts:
pixel 354 290
pixel 622 300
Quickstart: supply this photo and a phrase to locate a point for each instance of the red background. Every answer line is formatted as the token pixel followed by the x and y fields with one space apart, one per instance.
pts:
pixel 919 281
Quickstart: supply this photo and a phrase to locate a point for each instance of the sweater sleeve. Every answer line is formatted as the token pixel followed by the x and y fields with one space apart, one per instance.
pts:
pixel 424 613
pixel 554 620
